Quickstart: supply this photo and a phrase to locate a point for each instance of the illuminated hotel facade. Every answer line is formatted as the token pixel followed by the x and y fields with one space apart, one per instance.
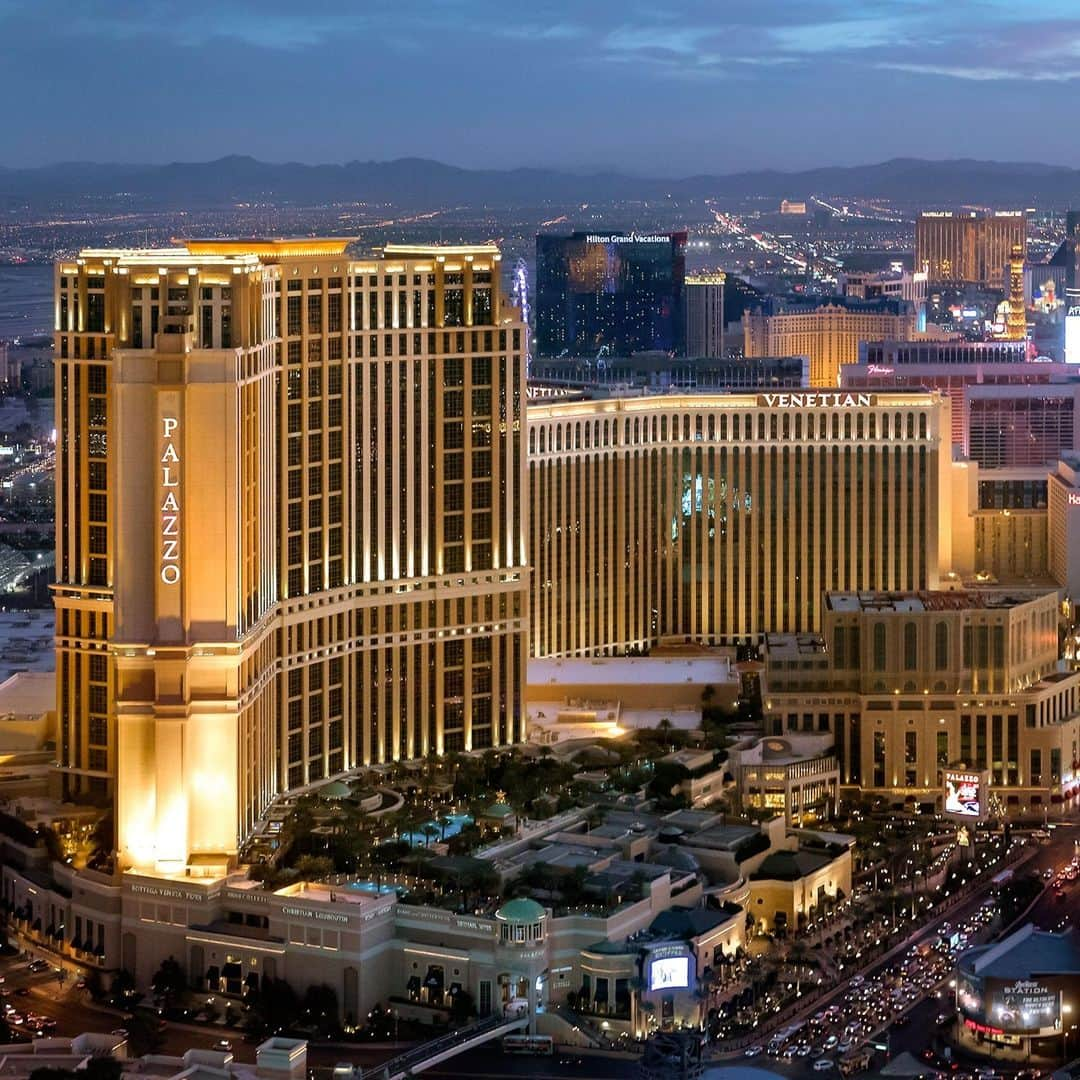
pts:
pixel 719 517
pixel 911 683
pixel 290 526
pixel 828 335
pixel 970 247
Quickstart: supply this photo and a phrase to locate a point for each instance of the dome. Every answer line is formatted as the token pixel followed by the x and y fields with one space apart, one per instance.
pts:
pixel 336 789
pixel 521 910
pixel 775 748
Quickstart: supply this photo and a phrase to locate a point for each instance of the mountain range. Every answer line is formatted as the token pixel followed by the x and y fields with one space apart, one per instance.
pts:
pixel 417 182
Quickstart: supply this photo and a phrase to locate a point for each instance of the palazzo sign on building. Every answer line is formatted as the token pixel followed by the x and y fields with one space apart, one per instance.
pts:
pixel 170 502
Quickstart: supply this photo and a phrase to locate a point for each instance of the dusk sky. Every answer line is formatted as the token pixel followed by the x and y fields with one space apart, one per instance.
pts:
pixel 654 88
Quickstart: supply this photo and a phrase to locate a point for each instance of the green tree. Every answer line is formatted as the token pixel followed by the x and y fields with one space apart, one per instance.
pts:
pixel 462 1008
pixel 169 980
pixel 314 867
pixel 278 1004
pixel 320 1007
pixel 123 986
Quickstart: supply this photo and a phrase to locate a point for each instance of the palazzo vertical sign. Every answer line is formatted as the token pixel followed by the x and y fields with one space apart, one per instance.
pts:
pixel 170 501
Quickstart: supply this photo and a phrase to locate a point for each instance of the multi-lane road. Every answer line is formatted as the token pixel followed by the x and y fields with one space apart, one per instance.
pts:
pixel 923 1023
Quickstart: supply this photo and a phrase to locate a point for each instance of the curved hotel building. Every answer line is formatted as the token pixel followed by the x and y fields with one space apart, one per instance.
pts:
pixel 289 526
pixel 294 532
pixel 719 517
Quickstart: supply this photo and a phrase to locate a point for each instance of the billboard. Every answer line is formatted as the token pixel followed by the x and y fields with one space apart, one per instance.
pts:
pixel 670 973
pixel 1072 334
pixel 965 794
pixel 1026 1006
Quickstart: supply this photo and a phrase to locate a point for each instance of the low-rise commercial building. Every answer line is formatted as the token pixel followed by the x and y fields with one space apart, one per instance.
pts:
pixel 658 903
pixel 1020 993
pixel 911 683
pixel 797 775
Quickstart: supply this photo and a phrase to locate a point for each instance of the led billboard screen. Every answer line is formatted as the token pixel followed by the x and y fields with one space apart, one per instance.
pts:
pixel 1072 335
pixel 965 794
pixel 1026 1006
pixel 670 973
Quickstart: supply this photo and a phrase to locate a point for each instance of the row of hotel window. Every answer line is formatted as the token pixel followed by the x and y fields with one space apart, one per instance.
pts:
pixel 586 435
pixel 215 316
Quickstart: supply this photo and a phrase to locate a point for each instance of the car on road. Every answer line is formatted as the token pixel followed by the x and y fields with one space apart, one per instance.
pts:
pixel 822 1065
pixel 223 1044
pixel 752 1051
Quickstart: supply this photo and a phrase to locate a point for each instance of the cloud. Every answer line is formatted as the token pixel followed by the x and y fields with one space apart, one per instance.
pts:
pixel 975 73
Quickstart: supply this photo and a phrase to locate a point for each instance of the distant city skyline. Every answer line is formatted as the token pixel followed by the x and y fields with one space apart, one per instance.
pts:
pixel 654 90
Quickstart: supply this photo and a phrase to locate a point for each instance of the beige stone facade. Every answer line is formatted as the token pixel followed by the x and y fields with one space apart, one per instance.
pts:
pixel 713 517
pixel 829 336
pixel 290 529
pixel 909 684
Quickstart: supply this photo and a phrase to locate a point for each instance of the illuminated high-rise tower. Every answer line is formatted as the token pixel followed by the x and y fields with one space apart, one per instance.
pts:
pixel 705 314
pixel 1016 324
pixel 968 247
pixel 290 525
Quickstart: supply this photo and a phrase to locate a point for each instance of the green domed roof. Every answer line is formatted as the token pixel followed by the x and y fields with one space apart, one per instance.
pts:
pixel 336 789
pixel 521 910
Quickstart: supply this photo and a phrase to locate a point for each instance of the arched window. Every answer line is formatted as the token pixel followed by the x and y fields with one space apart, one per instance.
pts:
pixel 911 646
pixel 941 646
pixel 879 646
pixel 922 425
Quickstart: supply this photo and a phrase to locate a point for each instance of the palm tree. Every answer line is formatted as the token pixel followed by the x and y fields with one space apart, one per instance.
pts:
pixel 799 956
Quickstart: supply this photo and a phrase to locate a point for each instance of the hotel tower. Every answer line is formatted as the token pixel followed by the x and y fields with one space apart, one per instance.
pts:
pixel 290 526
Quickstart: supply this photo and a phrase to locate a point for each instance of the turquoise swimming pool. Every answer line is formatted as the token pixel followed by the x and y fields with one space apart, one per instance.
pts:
pixel 449 825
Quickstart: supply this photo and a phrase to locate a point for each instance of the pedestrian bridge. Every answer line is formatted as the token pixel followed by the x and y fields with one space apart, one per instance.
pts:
pixel 445 1047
